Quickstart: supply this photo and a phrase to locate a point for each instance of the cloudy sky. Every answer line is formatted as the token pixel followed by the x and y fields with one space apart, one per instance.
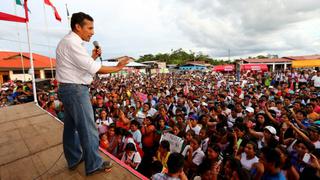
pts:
pixel 138 27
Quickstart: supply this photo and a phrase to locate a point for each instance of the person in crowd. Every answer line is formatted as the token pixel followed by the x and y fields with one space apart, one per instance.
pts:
pixel 192 124
pixel 163 153
pixel 233 121
pixel 131 156
pixel 136 133
pixel 248 157
pixel 175 169
pixel 271 161
pixel 194 156
pixel 104 142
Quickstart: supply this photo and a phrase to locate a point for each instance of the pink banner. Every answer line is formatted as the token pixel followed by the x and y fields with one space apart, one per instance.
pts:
pixel 142 97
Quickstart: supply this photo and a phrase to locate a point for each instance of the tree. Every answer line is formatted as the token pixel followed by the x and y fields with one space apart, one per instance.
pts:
pixel 180 56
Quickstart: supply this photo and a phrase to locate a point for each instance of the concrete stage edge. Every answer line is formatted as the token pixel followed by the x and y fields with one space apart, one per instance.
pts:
pixel 31 142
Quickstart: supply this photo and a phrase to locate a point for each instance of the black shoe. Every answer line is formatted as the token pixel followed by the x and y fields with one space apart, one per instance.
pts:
pixel 76 165
pixel 106 165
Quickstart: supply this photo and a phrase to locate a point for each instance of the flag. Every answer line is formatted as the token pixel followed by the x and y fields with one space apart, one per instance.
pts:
pixel 26 10
pixel 18 2
pixel 56 14
pixel 9 17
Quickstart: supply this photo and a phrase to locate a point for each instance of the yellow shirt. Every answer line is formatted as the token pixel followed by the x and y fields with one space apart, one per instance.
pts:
pixel 313 116
pixel 163 160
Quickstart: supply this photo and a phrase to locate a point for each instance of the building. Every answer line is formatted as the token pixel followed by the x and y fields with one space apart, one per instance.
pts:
pixel 195 66
pixel 272 63
pixel 131 67
pixel 308 61
pixel 16 65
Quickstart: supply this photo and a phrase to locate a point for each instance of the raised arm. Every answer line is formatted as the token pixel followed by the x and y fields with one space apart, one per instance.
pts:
pixel 111 69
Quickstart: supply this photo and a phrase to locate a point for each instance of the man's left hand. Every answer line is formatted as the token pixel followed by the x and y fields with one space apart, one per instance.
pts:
pixel 123 61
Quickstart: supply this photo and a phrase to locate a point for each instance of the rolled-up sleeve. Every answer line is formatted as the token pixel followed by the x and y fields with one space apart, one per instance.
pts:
pixel 82 59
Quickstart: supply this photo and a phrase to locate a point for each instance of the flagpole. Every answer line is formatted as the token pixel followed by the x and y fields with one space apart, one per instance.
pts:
pixel 48 40
pixel 32 66
pixel 68 16
pixel 20 50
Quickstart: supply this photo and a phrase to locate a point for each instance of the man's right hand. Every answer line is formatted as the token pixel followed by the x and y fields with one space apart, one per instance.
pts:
pixel 123 61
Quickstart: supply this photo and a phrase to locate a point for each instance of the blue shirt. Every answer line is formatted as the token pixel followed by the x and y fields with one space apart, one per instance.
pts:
pixel 162 176
pixel 278 176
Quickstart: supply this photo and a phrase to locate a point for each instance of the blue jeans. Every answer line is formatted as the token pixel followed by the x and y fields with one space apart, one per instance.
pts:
pixel 80 135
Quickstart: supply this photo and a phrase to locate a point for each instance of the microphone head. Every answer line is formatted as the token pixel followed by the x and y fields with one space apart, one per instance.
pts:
pixel 96 44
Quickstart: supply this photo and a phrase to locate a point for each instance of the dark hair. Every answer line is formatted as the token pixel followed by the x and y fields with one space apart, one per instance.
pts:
pixel 242 127
pixel 197 139
pixel 175 162
pixel 100 135
pixel 235 166
pixel 308 145
pixel 156 167
pixel 130 147
pixel 165 145
pixel 134 122
pixel 304 114
pixel 271 156
pixel 254 145
pixel 78 18
pixel 215 147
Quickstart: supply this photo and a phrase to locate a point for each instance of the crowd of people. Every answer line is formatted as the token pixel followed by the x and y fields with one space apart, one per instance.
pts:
pixel 266 126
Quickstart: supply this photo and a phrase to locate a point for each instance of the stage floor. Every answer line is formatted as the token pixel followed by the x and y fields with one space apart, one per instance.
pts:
pixel 31 142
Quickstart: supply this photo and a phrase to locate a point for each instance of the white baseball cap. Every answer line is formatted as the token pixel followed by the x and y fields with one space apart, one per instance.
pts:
pixel 250 109
pixel 204 104
pixel 271 129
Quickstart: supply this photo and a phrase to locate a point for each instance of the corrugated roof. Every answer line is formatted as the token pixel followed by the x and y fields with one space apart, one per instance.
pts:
pixel 12 60
pixel 307 57
pixel 271 60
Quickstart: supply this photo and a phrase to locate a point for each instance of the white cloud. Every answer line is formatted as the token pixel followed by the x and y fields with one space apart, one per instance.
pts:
pixel 249 26
pixel 246 27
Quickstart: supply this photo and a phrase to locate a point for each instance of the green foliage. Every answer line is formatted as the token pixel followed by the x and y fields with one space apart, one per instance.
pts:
pixel 180 56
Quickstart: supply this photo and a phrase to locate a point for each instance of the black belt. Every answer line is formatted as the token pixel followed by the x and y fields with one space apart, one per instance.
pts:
pixel 86 85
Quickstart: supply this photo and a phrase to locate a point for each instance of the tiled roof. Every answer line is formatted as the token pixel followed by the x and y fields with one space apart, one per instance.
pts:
pixel 308 57
pixel 12 60
pixel 271 60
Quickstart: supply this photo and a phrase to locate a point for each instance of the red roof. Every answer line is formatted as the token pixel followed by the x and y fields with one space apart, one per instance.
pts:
pixel 308 57
pixel 271 60
pixel 12 60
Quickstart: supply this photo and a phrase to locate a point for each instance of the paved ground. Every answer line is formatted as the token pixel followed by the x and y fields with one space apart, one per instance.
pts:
pixel 30 143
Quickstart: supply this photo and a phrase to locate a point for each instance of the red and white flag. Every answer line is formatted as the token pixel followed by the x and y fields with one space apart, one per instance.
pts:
pixel 14 18
pixel 9 17
pixel 56 14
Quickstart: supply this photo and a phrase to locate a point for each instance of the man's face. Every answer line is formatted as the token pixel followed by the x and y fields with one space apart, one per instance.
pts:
pixel 51 98
pixel 86 31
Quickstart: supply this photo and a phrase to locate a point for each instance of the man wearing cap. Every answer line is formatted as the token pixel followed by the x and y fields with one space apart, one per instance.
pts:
pixel 192 124
pixel 314 135
pixel 266 138
pixel 249 114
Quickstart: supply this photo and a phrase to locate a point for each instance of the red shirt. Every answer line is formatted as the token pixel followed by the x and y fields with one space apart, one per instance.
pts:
pixel 317 109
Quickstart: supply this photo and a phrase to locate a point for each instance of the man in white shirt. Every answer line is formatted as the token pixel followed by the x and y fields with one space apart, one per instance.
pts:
pixel 75 71
pixel 316 80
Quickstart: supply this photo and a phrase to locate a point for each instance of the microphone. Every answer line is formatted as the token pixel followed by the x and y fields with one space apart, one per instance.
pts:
pixel 96 45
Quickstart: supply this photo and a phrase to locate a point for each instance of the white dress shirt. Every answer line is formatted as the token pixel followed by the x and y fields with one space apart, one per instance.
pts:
pixel 74 64
pixel 198 156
